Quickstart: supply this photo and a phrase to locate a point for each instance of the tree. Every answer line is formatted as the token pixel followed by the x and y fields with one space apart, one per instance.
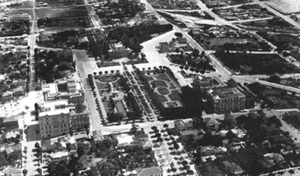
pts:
pixel 24 171
pixel 292 171
pixel 37 145
pixel 274 79
pixel 229 121
pixel 133 129
pixel 178 35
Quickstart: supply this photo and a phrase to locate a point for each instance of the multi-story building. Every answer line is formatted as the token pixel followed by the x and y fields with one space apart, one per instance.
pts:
pixel 64 89
pixel 118 50
pixel 59 117
pixel 227 99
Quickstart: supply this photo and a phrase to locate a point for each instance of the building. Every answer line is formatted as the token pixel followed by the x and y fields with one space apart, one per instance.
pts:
pixel 19 91
pixel 226 99
pixel 7 96
pixel 64 89
pixel 180 125
pixel 150 171
pixel 118 50
pixel 59 117
pixel 232 168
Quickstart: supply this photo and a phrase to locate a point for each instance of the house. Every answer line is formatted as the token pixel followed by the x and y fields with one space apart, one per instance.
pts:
pixel 164 47
pixel 141 138
pixel 211 123
pixel 7 96
pixel 180 125
pixel 150 171
pixel 19 91
pixel 232 168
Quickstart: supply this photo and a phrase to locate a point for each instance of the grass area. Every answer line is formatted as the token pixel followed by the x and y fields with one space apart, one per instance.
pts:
pixel 158 83
pixel 293 119
pixel 162 98
pixel 174 96
pixel 256 63
pixel 163 77
pixel 163 90
pixel 33 133
pixel 105 79
pixel 61 12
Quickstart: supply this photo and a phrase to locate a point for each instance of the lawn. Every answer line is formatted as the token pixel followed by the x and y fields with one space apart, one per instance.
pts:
pixel 106 78
pixel 33 133
pixel 61 12
pixel 163 77
pixel 157 83
pixel 256 63
pixel 174 96
pixel 163 90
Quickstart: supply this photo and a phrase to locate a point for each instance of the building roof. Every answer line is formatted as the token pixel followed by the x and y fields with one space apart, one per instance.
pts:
pixel 149 171
pixel 234 168
pixel 226 92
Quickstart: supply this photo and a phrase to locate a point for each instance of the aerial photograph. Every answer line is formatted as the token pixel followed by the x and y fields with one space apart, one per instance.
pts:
pixel 150 88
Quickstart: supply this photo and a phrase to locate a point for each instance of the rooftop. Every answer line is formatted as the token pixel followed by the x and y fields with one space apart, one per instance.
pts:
pixel 226 92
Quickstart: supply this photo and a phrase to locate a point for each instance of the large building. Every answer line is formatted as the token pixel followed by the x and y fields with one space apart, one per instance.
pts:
pixel 118 50
pixel 227 99
pixel 64 89
pixel 59 117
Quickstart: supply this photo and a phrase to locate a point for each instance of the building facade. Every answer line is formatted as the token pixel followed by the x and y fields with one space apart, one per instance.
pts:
pixel 118 50
pixel 64 89
pixel 59 118
pixel 226 99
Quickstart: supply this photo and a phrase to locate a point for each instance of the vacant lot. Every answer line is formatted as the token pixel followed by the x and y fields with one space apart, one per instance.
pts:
pixel 256 63
pixel 61 12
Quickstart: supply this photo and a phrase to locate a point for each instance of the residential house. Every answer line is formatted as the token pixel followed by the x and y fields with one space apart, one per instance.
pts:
pixel 180 125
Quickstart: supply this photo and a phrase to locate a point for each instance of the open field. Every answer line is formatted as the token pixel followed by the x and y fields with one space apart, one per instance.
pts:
pixel 256 63
pixel 285 6
pixel 61 12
